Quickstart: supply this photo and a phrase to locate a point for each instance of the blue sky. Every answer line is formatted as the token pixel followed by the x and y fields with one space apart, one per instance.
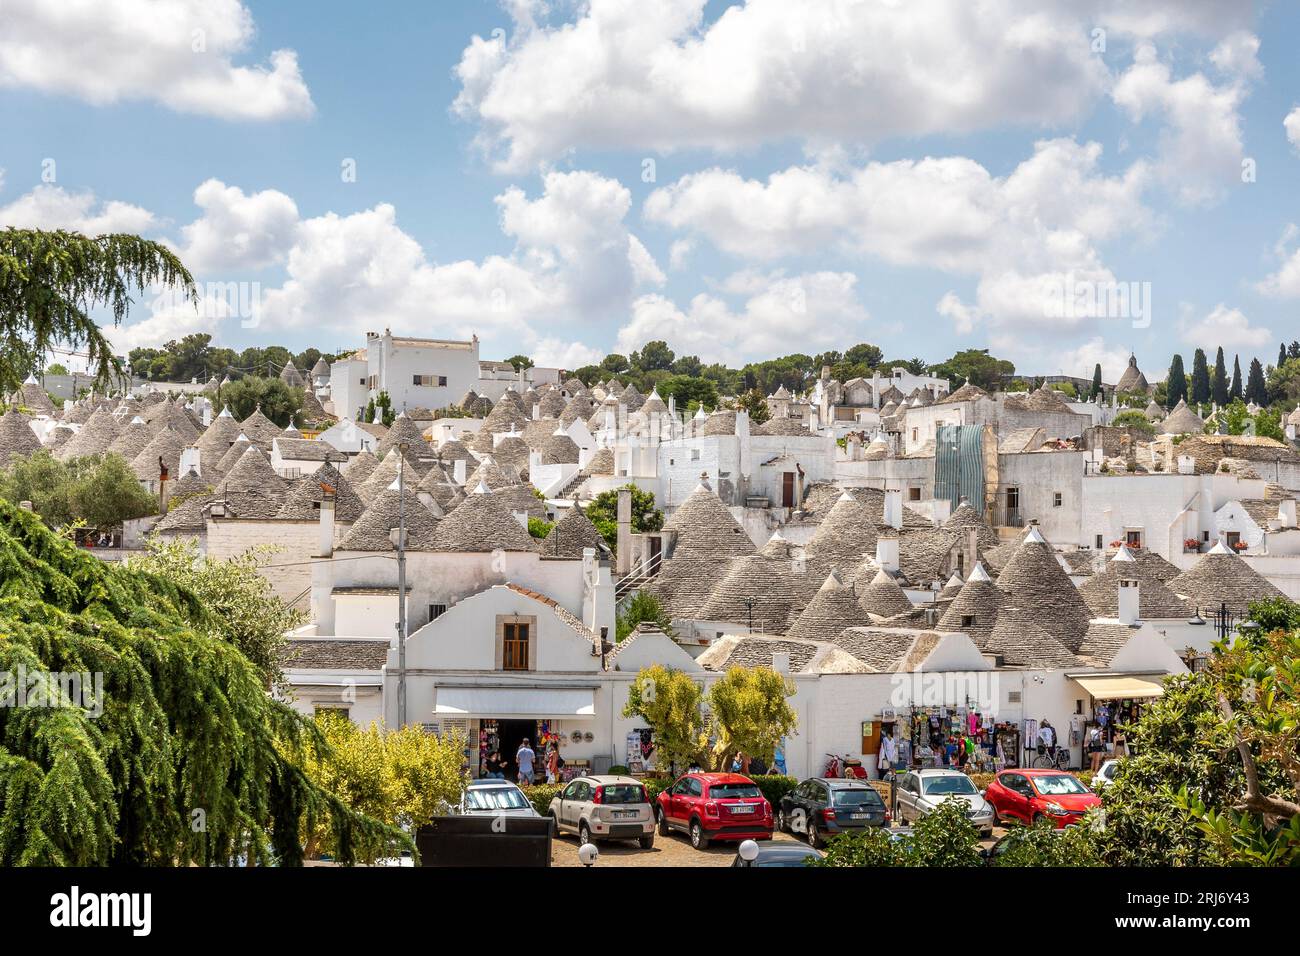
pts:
pixel 824 172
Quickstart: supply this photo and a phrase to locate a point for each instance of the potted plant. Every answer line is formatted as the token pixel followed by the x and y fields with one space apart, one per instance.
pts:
pixel 1240 546
pixel 1191 544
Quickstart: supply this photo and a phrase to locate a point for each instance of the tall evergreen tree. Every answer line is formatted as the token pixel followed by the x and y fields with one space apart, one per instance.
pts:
pixel 1281 355
pixel 1234 393
pixel 1176 387
pixel 1219 385
pixel 1200 378
pixel 1256 391
pixel 1096 382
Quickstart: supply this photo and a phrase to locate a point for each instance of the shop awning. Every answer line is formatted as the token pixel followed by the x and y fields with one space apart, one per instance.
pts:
pixel 1119 688
pixel 514 703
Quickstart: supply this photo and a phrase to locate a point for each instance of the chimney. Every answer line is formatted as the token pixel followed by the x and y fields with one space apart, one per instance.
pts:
pixel 781 662
pixel 624 517
pixel 894 508
pixel 191 458
pixel 972 548
pixel 1186 465
pixel 942 511
pixel 325 543
pixel 537 410
pixel 458 471
pixel 887 552
pixel 1129 606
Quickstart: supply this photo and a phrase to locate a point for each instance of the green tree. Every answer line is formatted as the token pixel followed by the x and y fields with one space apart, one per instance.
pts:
pixel 688 365
pixel 1044 845
pixel 687 390
pixel 56 368
pixel 52 282
pixel 1176 384
pixel 754 404
pixel 670 702
pixel 520 362
pixel 589 375
pixel 653 356
pixel 1135 421
pixel 1220 385
pixel 613 363
pixel 1096 383
pixel 245 611
pixel 97 490
pixel 643 608
pixel 944 838
pixel 975 366
pixel 1200 378
pixel 751 712
pixel 279 402
pixel 603 513
pixel 1256 391
pixel 1268 424
pixel 864 354
pixel 1235 392
pixel 181 758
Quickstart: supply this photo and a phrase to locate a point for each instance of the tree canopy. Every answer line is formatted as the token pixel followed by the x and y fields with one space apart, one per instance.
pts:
pixel 99 490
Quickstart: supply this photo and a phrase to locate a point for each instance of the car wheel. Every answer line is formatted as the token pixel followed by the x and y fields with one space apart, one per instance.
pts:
pixel 780 821
pixel 699 839
pixel 664 828
pixel 584 834
pixel 647 842
pixel 555 823
pixel 814 836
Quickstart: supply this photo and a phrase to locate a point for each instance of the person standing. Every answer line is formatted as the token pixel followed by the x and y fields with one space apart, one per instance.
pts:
pixel 887 757
pixel 553 763
pixel 524 758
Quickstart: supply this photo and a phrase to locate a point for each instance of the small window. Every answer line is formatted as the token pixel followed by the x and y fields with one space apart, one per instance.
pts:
pixel 695 454
pixel 913 494
pixel 1013 499
pixel 1232 538
pixel 1205 536
pixel 514 649
pixel 914 434
pixel 1100 545
pixel 1133 539
pixel 968 620
pixel 331 709
pixel 436 611
pixel 1056 499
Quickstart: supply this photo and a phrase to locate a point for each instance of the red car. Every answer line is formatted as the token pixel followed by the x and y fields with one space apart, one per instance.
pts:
pixel 714 806
pixel 1028 796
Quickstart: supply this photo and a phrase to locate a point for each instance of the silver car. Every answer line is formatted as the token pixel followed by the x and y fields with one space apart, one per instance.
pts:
pixel 605 808
pixel 921 791
pixel 495 798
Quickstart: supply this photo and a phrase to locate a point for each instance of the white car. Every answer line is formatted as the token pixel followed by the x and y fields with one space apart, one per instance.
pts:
pixel 1105 774
pixel 921 791
pixel 605 808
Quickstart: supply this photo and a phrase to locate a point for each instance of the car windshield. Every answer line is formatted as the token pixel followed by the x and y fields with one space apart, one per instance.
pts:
pixel 858 798
pixel 623 793
pixel 948 784
pixel 1058 784
pixel 496 798
pixel 728 791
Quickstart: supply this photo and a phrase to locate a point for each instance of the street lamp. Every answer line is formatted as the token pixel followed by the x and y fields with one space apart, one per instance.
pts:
pixel 749 852
pixel 587 854
pixel 401 583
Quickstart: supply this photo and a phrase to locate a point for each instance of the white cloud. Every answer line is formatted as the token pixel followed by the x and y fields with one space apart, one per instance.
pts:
pixel 1021 235
pixel 1292 126
pixel 1079 361
pixel 1201 148
pixel 53 207
pixel 679 252
pixel 238 231
pixel 815 309
pixel 1285 282
pixel 179 53
pixel 1226 327
pixel 653 76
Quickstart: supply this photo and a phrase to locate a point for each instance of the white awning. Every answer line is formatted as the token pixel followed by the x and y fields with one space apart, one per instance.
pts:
pixel 507 703
pixel 1119 688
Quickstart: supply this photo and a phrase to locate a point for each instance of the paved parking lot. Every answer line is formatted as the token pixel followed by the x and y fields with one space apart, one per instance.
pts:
pixel 672 850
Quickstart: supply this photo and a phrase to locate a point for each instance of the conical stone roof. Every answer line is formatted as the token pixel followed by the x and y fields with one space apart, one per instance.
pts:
pixel 132 439
pixel 1221 577
pixel 94 437
pixel 507 414
pixel 482 522
pixel 761 589
pixel 17 440
pixel 846 534
pixel 251 488
pixel 302 501
pixel 385 474
pixel 1182 421
pixel 259 429
pixel 34 398
pixel 834 608
pixel 571 535
pixel 360 467
pixel 1155 600
pixel 232 455
pixel 404 429
pixel 1038 588
pixel 167 445
pixel 217 438
pixel 373 530
pixel 883 597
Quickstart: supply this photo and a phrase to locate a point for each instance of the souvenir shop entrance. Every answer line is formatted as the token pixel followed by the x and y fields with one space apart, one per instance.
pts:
pixel 1117 703
pixel 512 733
pixel 958 736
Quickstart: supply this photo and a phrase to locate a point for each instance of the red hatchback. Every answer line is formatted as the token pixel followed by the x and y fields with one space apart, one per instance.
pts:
pixel 714 806
pixel 1028 796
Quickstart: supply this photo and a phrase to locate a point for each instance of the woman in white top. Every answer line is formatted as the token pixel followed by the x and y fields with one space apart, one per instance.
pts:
pixel 887 756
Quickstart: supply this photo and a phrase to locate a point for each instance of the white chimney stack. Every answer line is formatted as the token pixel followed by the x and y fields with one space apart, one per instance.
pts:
pixel 894 508
pixel 1186 465
pixel 942 511
pixel 1286 512
pixel 1129 604
pixel 887 552
pixel 781 662
pixel 458 471
pixel 190 458
pixel 325 544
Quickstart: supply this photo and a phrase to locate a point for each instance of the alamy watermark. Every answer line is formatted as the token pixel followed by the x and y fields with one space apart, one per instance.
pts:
pixel 1069 297
pixel 977 690
pixel 81 689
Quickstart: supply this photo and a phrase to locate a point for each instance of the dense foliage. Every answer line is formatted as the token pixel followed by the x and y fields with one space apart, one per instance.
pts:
pixel 643 607
pixel 190 760
pixel 669 701
pixel 603 513
pixel 751 713
pixel 279 402
pixel 97 490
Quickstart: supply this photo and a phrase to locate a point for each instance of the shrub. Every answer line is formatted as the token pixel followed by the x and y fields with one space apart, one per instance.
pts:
pixel 619 770
pixel 774 786
pixel 944 838
pixel 1044 845
pixel 541 795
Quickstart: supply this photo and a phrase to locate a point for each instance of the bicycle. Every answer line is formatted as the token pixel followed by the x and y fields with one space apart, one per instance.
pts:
pixel 1052 758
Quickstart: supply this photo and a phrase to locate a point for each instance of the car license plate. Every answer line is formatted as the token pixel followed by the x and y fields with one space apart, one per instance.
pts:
pixel 859 816
pixel 743 808
pixel 621 814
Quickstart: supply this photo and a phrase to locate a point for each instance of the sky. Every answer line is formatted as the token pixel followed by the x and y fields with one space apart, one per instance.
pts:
pixel 1062 182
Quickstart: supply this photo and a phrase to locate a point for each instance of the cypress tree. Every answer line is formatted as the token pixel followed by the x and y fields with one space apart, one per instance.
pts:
pixel 1235 392
pixel 1220 384
pixel 1096 382
pixel 1281 355
pixel 1200 378
pixel 1256 391
pixel 1176 387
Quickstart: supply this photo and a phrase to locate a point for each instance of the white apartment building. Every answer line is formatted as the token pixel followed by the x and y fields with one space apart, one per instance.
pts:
pixel 419 373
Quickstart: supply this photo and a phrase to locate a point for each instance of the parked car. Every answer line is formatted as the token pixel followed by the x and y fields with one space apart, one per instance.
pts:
pixel 495 797
pixel 1105 774
pixel 605 808
pixel 820 807
pixel 919 792
pixel 780 854
pixel 714 806
pixel 1027 796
